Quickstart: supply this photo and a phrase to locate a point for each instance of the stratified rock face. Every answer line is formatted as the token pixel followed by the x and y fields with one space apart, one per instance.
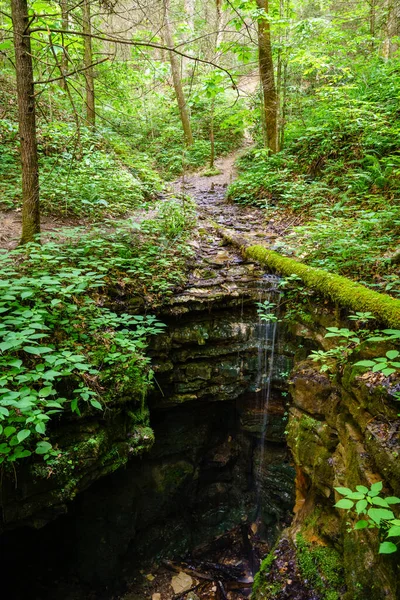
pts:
pixel 344 433
pixel 216 458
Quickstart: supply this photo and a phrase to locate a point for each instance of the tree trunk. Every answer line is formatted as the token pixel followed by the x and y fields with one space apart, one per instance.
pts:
pixel 88 61
pixel 392 27
pixel 212 138
pixel 372 22
pixel 176 77
pixel 218 23
pixel 65 26
pixel 267 79
pixel 27 121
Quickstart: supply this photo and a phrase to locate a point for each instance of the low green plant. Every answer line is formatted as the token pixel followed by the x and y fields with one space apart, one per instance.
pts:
pixel 376 512
pixel 265 311
pixel 59 344
pixel 384 364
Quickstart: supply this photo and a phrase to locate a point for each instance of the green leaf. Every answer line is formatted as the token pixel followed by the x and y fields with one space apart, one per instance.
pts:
pixel 96 404
pixel 394 531
pixel 387 548
pixel 41 428
pixel 43 447
pixel 362 488
pixel 9 431
pixel 378 501
pixel 344 503
pixel 392 500
pixel 343 491
pixel 361 524
pixel 37 349
pixel 22 435
pixel 377 514
pixel 392 354
pixel 356 496
pixel 364 363
pixel 361 506
pixel 387 372
pixel 377 487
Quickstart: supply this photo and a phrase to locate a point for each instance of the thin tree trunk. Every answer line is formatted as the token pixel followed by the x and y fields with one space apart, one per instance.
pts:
pixel 189 11
pixel 392 28
pixel 372 22
pixel 267 79
pixel 65 26
pixel 180 96
pixel 27 121
pixel 88 61
pixel 218 22
pixel 212 140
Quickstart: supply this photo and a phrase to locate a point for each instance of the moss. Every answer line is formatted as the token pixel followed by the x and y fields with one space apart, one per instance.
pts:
pixel 259 578
pixel 322 567
pixel 338 289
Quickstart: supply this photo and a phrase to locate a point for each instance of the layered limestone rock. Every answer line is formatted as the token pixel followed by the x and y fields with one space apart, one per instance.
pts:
pixel 343 431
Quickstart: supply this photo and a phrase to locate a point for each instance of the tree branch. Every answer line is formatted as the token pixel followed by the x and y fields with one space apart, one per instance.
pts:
pixel 136 43
pixel 46 81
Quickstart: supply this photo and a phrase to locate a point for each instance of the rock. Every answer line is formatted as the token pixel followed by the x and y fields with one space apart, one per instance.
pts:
pixel 156 597
pixel 181 583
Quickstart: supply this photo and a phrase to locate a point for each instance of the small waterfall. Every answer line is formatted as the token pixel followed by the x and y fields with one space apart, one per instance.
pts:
pixel 266 331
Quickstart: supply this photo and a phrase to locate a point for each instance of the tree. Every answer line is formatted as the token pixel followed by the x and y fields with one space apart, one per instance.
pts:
pixel 266 66
pixel 88 63
pixel 176 77
pixel 392 27
pixel 27 121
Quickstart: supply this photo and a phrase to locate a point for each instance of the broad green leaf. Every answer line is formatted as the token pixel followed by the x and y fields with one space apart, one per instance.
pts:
pixel 362 488
pixel 96 404
pixel 37 349
pixel 364 363
pixel 378 501
pixel 387 548
pixel 361 506
pixel 22 435
pixel 377 487
pixel 43 447
pixel 394 531
pixel 392 500
pixel 392 354
pixel 9 431
pixel 343 490
pixel 344 503
pixel 361 524
pixel 40 428
pixel 356 496
pixel 377 514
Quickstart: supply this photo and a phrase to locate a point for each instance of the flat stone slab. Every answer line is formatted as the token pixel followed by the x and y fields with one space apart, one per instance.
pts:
pixel 181 583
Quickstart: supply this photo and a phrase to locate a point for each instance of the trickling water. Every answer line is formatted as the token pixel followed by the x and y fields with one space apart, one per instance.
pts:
pixel 266 332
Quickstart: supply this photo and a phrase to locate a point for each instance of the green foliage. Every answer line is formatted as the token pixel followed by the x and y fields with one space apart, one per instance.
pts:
pixel 376 512
pixel 265 311
pixel 88 179
pixel 59 344
pixel 339 172
pixel 350 340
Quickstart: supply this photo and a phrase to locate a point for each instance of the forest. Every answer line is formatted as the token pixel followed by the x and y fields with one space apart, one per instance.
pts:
pixel 200 299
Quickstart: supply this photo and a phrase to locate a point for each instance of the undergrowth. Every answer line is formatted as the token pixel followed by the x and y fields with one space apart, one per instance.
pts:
pixel 62 335
pixel 338 179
